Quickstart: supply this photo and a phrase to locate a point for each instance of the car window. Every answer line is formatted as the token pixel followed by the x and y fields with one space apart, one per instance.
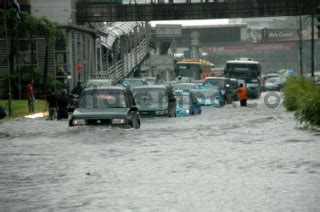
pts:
pixel 133 83
pixel 214 82
pixel 98 84
pixel 103 99
pixel 149 95
pixel 183 99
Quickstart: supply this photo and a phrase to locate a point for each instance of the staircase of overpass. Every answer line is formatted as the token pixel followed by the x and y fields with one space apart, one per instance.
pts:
pixel 147 10
pixel 126 46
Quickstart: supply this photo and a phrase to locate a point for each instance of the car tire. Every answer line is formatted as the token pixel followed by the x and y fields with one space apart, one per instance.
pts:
pixel 70 123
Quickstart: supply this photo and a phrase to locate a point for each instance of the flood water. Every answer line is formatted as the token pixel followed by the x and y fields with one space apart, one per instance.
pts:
pixel 227 159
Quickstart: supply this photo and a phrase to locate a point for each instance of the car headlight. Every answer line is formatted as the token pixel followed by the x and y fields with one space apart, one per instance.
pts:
pixel 187 111
pixel 78 122
pixel 118 121
pixel 160 112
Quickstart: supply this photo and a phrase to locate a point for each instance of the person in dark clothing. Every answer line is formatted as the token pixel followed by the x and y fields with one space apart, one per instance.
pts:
pixel 62 106
pixel 75 94
pixel 78 89
pixel 2 113
pixel 52 104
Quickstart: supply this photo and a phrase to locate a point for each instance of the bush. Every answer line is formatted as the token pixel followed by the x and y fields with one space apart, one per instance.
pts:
pixel 303 97
pixel 25 78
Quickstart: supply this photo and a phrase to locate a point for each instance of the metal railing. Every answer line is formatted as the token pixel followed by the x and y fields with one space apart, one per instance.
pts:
pixel 125 66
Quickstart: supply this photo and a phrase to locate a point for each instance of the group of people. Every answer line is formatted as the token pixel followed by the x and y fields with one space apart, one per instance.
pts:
pixel 57 104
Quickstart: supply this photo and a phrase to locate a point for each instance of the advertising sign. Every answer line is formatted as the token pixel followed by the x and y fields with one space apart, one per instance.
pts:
pixel 168 30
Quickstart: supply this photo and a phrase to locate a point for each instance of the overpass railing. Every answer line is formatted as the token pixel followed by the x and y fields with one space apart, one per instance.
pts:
pixel 126 65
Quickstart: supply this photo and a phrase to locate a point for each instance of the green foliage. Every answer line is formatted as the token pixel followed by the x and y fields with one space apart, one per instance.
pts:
pixel 25 78
pixel 295 87
pixel 55 84
pixel 49 31
pixel 29 26
pixel 303 97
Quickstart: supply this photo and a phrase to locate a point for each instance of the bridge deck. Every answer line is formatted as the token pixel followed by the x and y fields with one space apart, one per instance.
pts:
pixel 100 12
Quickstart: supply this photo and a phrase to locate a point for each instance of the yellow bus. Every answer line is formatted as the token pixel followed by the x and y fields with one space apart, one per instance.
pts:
pixel 194 69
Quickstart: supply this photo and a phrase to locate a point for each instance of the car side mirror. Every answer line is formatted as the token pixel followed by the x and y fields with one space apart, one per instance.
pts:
pixel 134 108
pixel 71 109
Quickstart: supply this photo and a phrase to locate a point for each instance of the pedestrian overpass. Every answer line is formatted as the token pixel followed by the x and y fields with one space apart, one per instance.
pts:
pixel 123 47
pixel 126 44
pixel 148 10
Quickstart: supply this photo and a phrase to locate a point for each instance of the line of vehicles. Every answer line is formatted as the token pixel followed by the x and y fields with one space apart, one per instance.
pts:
pixel 104 103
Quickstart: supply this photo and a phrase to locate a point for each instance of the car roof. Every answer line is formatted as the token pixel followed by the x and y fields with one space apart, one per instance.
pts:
pixel 215 78
pixel 243 61
pixel 150 86
pixel 99 80
pixel 183 93
pixel 139 79
pixel 185 83
pixel 153 78
pixel 114 88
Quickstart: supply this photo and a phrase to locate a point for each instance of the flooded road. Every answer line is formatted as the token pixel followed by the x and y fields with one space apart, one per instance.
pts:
pixel 227 159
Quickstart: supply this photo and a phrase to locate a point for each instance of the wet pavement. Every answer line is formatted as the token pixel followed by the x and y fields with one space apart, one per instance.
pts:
pixel 227 159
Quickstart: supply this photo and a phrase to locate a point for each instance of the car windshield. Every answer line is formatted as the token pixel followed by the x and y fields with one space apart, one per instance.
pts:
pixel 185 87
pixel 151 81
pixel 133 83
pixel 98 84
pixel 273 80
pixel 102 99
pixel 214 82
pixel 150 95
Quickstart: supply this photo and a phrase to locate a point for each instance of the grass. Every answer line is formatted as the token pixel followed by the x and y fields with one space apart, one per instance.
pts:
pixel 20 108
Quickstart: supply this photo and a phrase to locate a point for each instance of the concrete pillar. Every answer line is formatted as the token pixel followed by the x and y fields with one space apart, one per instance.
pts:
pixel 195 45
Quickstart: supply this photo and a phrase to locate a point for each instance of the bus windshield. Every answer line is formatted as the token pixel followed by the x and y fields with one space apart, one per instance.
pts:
pixel 192 71
pixel 242 71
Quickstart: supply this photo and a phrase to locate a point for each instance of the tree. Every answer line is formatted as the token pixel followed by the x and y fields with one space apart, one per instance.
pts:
pixel 12 30
pixel 51 33
pixel 29 25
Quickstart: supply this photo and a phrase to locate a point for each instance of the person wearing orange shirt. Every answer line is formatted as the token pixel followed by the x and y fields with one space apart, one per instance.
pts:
pixel 79 67
pixel 242 92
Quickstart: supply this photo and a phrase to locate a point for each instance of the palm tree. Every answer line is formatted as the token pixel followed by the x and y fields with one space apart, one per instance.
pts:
pixel 51 33
pixel 29 25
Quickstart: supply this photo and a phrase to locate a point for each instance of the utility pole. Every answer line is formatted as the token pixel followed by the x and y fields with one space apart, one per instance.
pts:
pixel 300 46
pixel 8 63
pixel 312 45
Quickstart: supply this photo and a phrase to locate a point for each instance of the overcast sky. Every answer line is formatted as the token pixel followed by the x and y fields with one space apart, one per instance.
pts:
pixel 193 22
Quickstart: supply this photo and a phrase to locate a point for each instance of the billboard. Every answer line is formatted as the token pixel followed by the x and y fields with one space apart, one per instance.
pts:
pixel 281 34
pixel 168 30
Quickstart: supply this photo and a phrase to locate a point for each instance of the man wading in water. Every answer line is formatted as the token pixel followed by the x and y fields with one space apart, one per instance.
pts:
pixel 242 92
